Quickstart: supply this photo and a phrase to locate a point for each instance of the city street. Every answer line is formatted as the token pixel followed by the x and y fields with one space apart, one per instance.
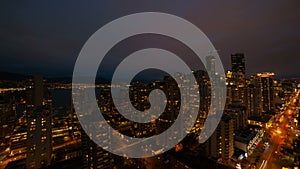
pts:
pixel 279 134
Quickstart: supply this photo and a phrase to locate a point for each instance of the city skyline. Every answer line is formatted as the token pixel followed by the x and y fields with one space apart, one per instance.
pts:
pixel 149 85
pixel 259 124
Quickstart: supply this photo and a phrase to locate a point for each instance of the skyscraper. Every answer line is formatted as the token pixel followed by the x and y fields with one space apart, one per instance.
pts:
pixel 265 82
pixel 94 156
pixel 210 65
pixel 238 76
pixel 7 115
pixel 39 134
pixel 238 67
pixel 252 100
pixel 221 143
pixel 238 113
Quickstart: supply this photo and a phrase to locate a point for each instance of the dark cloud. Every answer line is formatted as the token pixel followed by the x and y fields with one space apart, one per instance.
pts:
pixel 46 37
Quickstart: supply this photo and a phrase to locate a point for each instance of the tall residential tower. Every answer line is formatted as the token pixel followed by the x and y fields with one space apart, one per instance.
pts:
pixel 39 119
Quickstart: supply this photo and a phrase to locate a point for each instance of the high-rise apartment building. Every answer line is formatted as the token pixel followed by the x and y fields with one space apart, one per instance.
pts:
pixel 210 65
pixel 266 85
pixel 221 144
pixel 238 76
pixel 252 102
pixel 238 113
pixel 39 130
pixel 238 68
pixel 7 114
pixel 94 156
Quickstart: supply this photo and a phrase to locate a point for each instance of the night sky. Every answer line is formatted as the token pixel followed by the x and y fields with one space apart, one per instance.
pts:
pixel 45 38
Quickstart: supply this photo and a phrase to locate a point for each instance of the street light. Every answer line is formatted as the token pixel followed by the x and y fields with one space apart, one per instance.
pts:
pixel 278 131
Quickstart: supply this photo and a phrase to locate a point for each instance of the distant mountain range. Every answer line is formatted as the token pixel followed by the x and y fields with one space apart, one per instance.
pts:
pixel 146 76
pixel 18 77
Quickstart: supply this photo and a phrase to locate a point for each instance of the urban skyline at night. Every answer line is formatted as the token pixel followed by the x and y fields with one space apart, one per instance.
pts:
pixel 149 85
pixel 254 115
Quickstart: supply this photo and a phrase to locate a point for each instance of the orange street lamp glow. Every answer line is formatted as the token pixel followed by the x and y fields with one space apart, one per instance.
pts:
pixel 278 131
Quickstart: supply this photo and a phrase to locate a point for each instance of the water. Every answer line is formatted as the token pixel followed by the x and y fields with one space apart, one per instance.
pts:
pixel 62 99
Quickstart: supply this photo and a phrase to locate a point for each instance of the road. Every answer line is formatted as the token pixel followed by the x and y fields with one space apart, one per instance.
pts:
pixel 4 163
pixel 280 132
pixel 7 160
